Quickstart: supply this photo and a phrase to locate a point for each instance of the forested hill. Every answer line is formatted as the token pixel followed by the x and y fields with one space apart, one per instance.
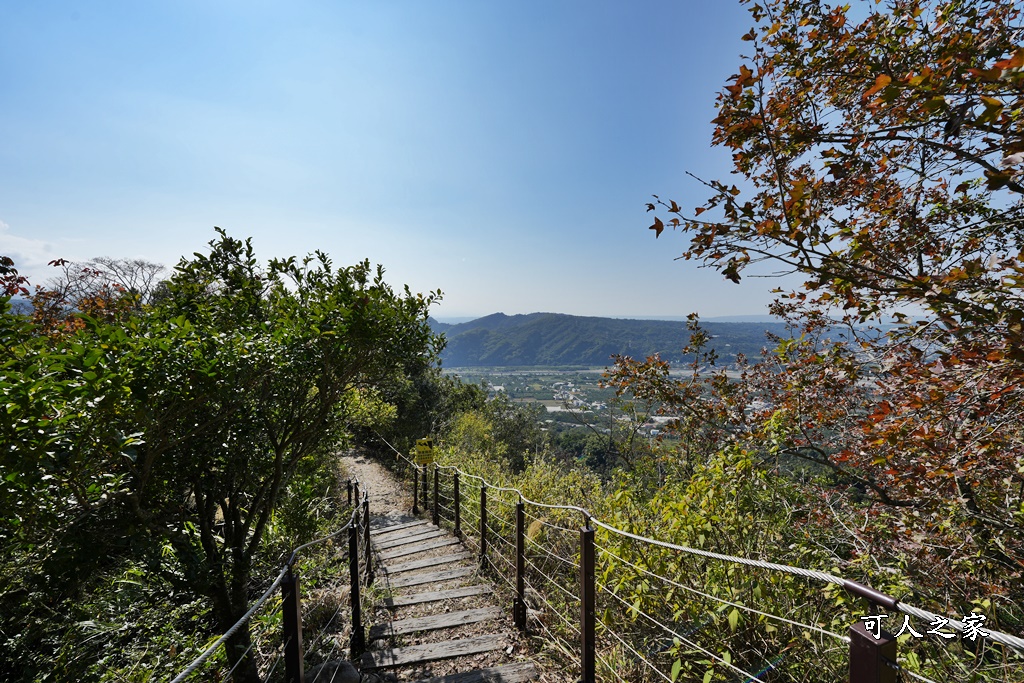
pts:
pixel 557 339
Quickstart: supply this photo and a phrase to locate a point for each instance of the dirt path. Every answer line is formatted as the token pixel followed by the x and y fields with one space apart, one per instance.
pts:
pixel 390 499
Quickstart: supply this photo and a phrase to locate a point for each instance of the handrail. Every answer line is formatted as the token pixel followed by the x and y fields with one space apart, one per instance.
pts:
pixel 201 659
pixel 397 452
pixel 350 522
pixel 285 570
pixel 1011 641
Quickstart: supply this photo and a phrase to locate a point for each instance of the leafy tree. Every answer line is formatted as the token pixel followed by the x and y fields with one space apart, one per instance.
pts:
pixel 427 403
pixel 882 158
pixel 516 426
pixel 881 152
pixel 502 431
pixel 182 422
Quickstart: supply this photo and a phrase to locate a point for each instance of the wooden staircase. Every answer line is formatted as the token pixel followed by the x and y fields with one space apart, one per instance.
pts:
pixel 439 622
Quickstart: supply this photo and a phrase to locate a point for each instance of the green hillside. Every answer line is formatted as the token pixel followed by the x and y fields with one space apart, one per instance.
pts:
pixel 557 339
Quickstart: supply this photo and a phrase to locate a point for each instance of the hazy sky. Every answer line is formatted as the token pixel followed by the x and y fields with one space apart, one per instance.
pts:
pixel 500 151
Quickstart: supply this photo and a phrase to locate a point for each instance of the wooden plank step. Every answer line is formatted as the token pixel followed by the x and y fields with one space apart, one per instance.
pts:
pixel 430 652
pixel 434 622
pixel 395 553
pixel 411 538
pixel 517 672
pixel 431 577
pixel 398 527
pixel 434 596
pixel 423 564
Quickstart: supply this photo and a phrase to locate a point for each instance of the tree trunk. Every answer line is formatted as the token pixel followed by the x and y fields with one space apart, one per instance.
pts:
pixel 240 658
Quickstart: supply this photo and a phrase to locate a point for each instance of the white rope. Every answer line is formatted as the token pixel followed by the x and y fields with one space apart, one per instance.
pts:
pixel 640 656
pixel 327 537
pixel 845 639
pixel 572 627
pixel 201 659
pixel 550 525
pixel 575 508
pixel 552 581
pixel 677 635
pixel 809 573
pixel 276 662
pixel 550 554
pixel 557 642
pixel 397 452
pixel 231 674
pixel 1017 644
pixel 1013 642
pixel 608 666
pixel 914 675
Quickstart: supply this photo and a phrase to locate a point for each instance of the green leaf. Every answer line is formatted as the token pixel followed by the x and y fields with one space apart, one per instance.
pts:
pixel 677 666
pixel 734 619
pixel 708 675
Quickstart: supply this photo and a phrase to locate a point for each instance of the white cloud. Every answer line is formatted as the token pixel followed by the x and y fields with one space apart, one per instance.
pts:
pixel 31 255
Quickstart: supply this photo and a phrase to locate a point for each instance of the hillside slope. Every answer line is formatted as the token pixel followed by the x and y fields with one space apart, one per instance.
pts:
pixel 558 339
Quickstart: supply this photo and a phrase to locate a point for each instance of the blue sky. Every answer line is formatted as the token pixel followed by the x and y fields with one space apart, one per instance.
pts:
pixel 500 151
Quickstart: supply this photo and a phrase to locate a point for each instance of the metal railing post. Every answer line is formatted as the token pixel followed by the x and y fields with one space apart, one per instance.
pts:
pixel 872 660
pixel 519 603
pixel 355 490
pixel 437 504
pixel 588 607
pixel 292 613
pixel 366 540
pixel 349 487
pixel 357 643
pixel 415 489
pixel 455 503
pixel 483 524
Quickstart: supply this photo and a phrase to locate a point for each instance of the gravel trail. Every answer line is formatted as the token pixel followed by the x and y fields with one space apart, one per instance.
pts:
pixel 390 500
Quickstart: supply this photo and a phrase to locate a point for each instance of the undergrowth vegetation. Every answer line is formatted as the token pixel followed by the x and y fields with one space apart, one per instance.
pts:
pixel 701 618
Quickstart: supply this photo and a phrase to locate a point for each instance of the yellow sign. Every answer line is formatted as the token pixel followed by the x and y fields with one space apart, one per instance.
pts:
pixel 424 451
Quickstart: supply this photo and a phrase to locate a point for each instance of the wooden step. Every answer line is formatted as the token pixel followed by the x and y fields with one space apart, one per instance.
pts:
pixel 423 564
pixel 417 548
pixel 434 596
pixel 431 577
pixel 398 527
pixel 411 538
pixel 517 672
pixel 430 652
pixel 434 622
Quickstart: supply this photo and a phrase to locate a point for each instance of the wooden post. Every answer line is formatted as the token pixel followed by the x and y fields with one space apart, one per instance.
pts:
pixel 437 503
pixel 355 489
pixel 349 487
pixel 455 495
pixel 483 525
pixel 415 489
pixel 366 540
pixel 292 612
pixel 872 660
pixel 426 491
pixel 519 603
pixel 357 643
pixel 588 606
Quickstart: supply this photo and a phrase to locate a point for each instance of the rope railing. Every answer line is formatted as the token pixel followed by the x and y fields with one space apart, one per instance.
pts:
pixel 291 648
pixel 494 545
pixel 722 601
pixel 201 659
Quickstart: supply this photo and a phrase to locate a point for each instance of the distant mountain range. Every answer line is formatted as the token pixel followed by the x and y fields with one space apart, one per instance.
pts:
pixel 556 339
